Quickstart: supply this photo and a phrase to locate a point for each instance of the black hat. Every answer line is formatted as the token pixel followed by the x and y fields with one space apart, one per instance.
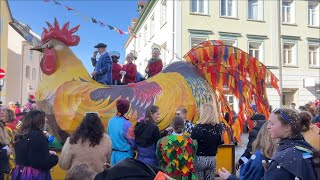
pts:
pixel 100 45
pixel 258 117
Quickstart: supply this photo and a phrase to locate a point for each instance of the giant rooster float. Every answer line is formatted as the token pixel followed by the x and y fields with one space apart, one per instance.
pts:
pixel 67 91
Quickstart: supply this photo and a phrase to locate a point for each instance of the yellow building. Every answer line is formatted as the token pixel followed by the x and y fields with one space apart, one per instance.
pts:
pixel 5 19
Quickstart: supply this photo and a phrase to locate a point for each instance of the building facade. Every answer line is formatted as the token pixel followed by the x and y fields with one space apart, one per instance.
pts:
pixel 159 23
pixel 5 19
pixel 24 72
pixel 263 29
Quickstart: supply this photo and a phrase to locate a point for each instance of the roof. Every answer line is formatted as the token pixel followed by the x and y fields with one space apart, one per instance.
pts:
pixel 26 32
pixel 141 18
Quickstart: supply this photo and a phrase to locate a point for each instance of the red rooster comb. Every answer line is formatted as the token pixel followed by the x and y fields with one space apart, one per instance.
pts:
pixel 64 34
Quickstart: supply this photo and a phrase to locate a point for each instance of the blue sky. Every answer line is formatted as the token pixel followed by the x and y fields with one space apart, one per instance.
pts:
pixel 117 13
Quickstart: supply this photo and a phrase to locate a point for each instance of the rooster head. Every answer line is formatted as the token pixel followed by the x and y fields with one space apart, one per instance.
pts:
pixel 55 39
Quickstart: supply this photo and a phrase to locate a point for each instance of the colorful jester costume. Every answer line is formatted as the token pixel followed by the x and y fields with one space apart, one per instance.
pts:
pixel 176 155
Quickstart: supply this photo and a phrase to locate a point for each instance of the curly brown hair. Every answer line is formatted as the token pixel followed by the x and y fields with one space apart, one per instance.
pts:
pixel 90 129
pixel 305 118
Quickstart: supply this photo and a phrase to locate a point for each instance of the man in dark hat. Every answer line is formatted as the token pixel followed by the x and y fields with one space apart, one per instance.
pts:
pixel 103 67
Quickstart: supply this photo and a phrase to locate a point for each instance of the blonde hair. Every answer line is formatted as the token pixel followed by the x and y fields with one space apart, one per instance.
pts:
pixel 4 136
pixel 208 114
pixel 264 142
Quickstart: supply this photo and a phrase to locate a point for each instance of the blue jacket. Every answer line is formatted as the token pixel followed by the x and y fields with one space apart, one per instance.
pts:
pixel 253 169
pixel 104 69
pixel 121 134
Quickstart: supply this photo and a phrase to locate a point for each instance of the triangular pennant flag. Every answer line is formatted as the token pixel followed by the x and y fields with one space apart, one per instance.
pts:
pixel 56 3
pixel 102 24
pixel 94 20
pixel 110 27
pixel 120 31
pixel 69 8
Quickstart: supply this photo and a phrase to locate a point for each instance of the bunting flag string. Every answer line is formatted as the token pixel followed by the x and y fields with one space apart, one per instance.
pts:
pixel 102 24
pixel 93 20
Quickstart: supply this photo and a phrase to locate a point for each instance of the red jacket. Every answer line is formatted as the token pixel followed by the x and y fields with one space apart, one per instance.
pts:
pixel 154 67
pixel 130 76
pixel 116 68
pixel 318 124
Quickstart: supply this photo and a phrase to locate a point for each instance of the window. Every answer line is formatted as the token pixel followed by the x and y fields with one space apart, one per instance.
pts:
pixel 28 72
pixel 145 34
pixel 163 12
pixel 313 13
pixel 199 6
pixel 314 55
pixel 255 9
pixel 30 55
pixel 256 50
pixel 164 53
pixel 34 74
pixel 288 10
pixel 197 40
pixel 230 42
pixel 289 53
pixel 228 8
pixel 152 26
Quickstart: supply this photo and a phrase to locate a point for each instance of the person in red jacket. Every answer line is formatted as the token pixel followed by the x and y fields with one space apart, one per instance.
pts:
pixel 129 71
pixel 155 63
pixel 116 68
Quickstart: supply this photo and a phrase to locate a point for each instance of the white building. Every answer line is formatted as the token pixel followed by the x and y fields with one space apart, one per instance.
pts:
pixel 260 27
pixel 160 23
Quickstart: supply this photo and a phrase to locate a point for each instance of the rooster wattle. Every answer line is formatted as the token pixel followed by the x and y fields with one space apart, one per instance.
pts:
pixel 67 91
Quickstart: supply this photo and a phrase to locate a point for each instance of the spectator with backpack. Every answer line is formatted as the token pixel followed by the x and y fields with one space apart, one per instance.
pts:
pixel 147 134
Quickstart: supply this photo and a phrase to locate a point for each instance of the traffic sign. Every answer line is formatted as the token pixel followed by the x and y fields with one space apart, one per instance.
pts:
pixel 2 73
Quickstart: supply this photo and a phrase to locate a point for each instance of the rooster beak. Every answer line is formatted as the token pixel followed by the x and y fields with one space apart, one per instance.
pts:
pixel 38 48
pixel 42 47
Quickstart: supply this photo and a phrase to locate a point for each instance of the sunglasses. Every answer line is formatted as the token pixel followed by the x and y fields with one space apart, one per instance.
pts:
pixel 283 115
pixel 91 113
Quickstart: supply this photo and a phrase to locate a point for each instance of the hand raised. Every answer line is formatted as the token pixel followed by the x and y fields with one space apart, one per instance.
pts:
pixel 95 54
